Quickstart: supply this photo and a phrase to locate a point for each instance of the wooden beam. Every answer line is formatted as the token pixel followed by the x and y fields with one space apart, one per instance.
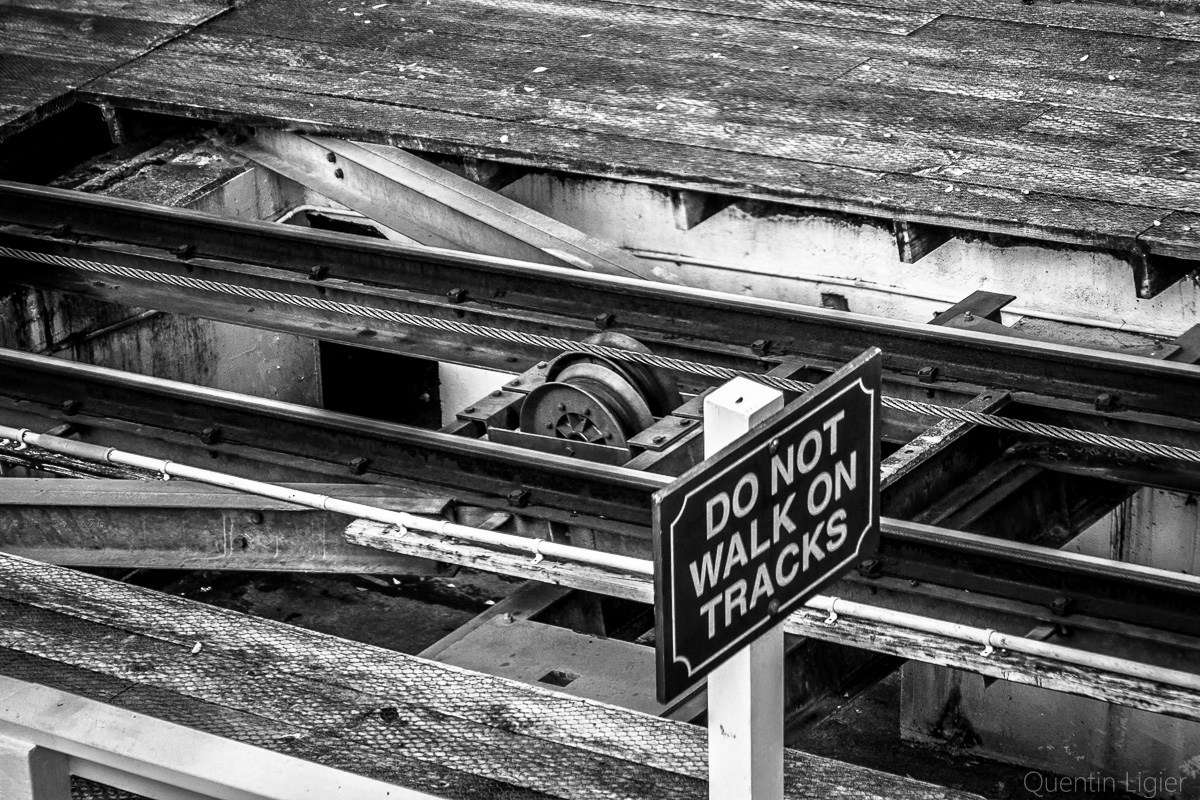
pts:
pixel 434 206
pixel 916 240
pixel 878 637
pixel 183 525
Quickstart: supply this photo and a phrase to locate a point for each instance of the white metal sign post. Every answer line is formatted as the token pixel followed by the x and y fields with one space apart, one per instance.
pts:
pixel 786 501
pixel 745 694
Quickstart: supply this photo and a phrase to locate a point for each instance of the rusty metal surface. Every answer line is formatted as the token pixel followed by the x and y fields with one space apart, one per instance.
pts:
pixel 386 715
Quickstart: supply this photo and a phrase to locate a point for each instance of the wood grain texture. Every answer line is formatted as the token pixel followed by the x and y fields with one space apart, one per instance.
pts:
pixel 382 714
pixel 48 49
pixel 1001 117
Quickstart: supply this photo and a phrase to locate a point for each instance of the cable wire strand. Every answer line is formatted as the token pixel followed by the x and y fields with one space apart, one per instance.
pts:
pixel 646 359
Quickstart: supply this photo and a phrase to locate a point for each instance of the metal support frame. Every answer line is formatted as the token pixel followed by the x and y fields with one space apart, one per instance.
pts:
pixel 674 321
pixel 164 417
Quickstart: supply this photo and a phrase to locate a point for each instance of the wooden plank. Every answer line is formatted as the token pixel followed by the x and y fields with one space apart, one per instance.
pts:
pixel 865 191
pixel 100 493
pixel 1157 20
pixel 879 637
pixel 180 525
pixel 51 50
pixel 152 10
pixel 1177 235
pixel 824 14
pixel 821 127
pixel 638 91
pixel 397 718
pixel 1168 100
pixel 549 26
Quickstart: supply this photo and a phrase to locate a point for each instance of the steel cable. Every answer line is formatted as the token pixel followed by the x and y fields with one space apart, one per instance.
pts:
pixel 647 359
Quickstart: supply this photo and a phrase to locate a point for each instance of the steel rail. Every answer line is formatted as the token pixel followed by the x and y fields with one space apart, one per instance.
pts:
pixel 509 337
pixel 688 321
pixel 592 495
pixel 478 471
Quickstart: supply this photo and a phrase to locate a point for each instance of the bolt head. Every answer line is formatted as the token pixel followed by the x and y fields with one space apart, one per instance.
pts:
pixel 773 447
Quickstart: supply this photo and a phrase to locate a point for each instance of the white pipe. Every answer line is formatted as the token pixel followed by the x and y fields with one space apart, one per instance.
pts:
pixel 992 639
pixel 538 547
pixel 834 606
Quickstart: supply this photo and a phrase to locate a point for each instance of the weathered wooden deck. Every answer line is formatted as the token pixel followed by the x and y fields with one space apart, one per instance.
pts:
pixel 48 48
pixel 385 715
pixel 1063 121
pixel 1072 122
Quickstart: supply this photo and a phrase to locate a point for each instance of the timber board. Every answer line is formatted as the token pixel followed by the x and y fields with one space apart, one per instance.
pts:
pixel 383 714
pixel 999 117
pixel 48 49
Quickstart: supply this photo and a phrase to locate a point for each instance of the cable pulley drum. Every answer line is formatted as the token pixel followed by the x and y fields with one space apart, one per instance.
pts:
pixel 593 399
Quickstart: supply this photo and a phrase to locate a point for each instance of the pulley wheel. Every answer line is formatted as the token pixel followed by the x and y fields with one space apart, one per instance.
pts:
pixel 657 387
pixel 573 413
